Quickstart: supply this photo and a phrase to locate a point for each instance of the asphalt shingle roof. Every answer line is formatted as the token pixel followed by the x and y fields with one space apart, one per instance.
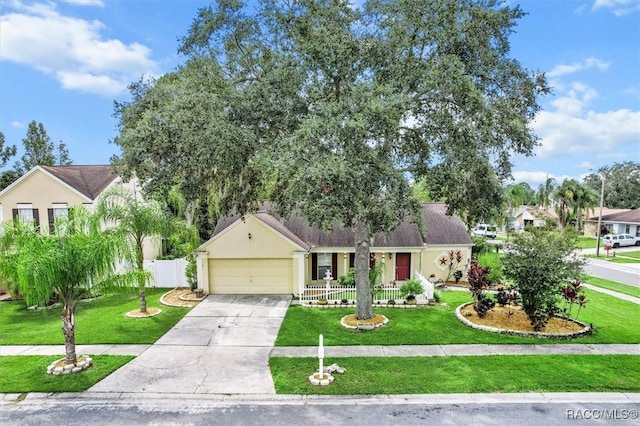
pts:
pixel 438 229
pixel 88 180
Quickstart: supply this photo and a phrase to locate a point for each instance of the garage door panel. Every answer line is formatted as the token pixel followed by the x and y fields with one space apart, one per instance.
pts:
pixel 250 276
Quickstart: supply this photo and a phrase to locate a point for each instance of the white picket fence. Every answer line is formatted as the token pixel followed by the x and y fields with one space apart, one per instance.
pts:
pixel 336 293
pixel 167 273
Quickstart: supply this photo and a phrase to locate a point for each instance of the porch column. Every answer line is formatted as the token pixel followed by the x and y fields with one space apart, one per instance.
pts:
pixel 202 265
pixel 299 267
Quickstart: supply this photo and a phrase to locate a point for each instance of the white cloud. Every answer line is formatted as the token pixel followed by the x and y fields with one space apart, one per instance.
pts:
pixel 536 178
pixel 85 2
pixel 592 133
pixel 585 165
pixel 619 7
pixel 563 69
pixel 72 50
pixel 17 124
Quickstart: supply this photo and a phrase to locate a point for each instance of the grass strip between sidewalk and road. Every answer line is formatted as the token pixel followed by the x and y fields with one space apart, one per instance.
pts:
pixel 462 374
pixel 98 321
pixel 617 259
pixel 28 373
pixel 614 320
pixel 612 285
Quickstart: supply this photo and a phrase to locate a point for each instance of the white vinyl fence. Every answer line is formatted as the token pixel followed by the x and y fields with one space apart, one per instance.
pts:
pixel 167 273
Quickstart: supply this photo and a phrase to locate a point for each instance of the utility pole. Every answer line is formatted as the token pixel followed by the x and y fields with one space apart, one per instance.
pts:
pixel 600 216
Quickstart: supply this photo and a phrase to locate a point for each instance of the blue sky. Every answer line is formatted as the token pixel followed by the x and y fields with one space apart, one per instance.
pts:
pixel 64 63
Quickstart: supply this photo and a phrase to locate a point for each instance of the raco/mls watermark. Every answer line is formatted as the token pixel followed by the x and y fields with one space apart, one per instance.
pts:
pixel 602 414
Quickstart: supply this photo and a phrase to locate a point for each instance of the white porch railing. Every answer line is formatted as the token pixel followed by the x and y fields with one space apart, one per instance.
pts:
pixel 338 293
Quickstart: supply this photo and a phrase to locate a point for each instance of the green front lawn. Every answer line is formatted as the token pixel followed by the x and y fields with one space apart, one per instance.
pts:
pixel 615 321
pixel 587 242
pixel 462 374
pixel 634 254
pixel 22 374
pixel 612 285
pixel 98 321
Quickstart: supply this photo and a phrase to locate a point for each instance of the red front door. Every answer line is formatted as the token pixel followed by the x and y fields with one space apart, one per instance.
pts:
pixel 403 266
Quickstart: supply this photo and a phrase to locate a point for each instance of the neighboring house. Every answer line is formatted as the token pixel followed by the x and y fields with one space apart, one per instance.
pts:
pixel 262 254
pixel 533 216
pixel 46 192
pixel 616 221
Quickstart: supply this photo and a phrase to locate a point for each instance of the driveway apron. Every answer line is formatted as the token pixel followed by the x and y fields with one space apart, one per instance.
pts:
pixel 221 346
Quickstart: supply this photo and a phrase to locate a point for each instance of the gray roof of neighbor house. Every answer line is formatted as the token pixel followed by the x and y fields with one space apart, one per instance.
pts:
pixel 438 229
pixel 628 216
pixel 88 180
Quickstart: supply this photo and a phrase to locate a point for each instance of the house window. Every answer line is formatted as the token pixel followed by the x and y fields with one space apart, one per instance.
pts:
pixel 323 262
pixel 627 229
pixel 324 265
pixel 25 213
pixel 57 211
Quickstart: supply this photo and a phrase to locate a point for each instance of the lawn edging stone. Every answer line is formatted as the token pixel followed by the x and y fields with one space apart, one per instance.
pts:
pixel 586 329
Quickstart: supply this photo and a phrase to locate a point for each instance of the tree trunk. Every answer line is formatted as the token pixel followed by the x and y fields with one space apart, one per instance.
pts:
pixel 69 330
pixel 364 304
pixel 141 285
pixel 143 301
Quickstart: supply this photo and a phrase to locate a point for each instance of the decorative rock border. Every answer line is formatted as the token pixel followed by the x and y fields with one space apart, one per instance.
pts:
pixel 364 325
pixel 539 334
pixel 151 312
pixel 83 362
pixel 325 380
pixel 190 300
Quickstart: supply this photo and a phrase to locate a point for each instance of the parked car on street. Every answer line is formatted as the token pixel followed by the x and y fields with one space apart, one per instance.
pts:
pixel 484 230
pixel 620 240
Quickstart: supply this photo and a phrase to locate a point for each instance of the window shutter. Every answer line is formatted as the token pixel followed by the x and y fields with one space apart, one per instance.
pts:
pixel 352 260
pixel 52 227
pixel 314 266
pixel 334 265
pixel 36 217
pixel 14 212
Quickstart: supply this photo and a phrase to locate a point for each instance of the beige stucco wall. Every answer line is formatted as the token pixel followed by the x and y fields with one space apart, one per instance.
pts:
pixel 264 263
pixel 41 191
pixel 234 242
pixel 423 260
pixel 431 256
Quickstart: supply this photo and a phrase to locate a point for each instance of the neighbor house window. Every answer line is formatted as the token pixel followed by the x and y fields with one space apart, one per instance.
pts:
pixel 57 211
pixel 25 213
pixel 627 228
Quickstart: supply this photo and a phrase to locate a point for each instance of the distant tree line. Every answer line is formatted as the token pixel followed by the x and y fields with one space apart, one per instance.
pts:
pixel 38 150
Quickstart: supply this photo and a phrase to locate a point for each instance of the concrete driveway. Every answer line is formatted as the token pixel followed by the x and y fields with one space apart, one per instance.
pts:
pixel 222 346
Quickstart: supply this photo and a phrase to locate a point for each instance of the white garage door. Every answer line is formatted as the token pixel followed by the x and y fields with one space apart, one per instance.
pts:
pixel 250 276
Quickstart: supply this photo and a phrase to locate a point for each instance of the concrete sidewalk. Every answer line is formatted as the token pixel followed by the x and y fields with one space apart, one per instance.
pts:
pixel 355 351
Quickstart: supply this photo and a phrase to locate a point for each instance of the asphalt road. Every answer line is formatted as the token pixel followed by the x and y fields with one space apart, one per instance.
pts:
pixel 352 413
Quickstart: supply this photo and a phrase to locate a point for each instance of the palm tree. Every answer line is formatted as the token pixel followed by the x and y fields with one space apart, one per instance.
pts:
pixel 138 220
pixel 545 191
pixel 585 199
pixel 77 259
pixel 565 197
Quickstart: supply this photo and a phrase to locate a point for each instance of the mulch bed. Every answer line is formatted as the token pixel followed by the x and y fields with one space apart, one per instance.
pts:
pixel 514 318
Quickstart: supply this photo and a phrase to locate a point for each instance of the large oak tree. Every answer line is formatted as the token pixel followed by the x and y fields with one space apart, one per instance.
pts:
pixel 330 109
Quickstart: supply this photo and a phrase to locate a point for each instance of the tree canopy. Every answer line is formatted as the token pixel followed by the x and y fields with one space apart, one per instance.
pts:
pixel 38 151
pixel 621 184
pixel 330 109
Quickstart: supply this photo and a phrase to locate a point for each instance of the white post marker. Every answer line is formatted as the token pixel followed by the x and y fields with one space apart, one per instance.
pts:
pixel 321 379
pixel 321 359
